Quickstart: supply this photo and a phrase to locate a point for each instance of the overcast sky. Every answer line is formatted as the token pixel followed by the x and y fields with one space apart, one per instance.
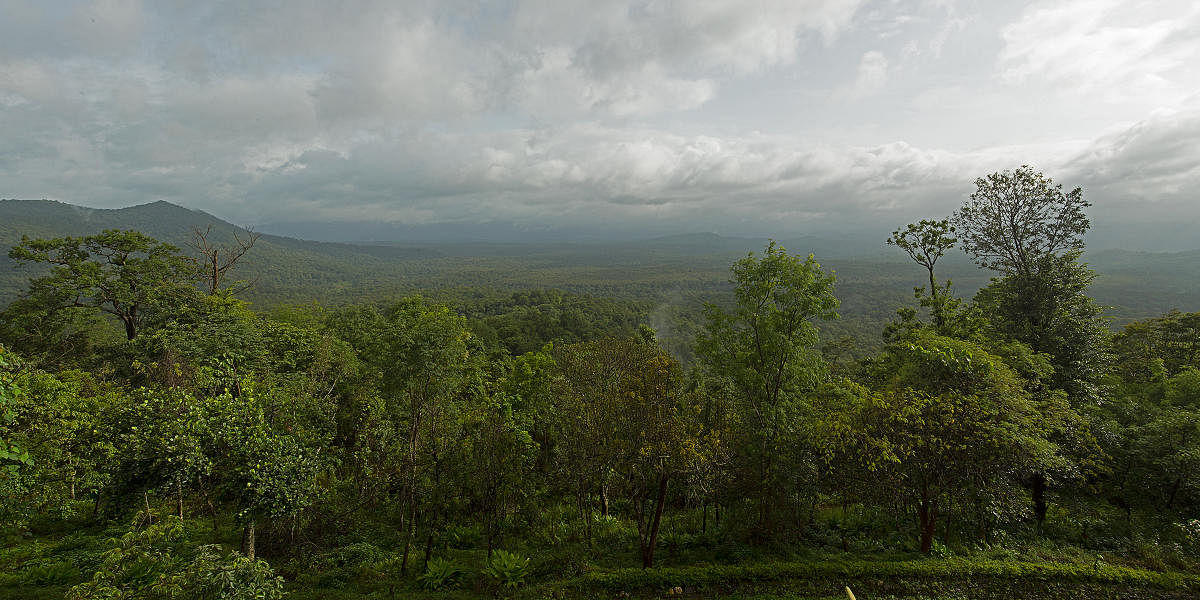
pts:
pixel 741 116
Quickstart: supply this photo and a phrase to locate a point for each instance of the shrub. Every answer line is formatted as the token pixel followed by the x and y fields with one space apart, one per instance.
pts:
pixel 230 577
pixel 441 574
pixel 55 573
pixel 507 568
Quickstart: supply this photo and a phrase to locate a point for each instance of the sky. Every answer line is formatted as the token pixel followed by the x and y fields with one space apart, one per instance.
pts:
pixel 743 117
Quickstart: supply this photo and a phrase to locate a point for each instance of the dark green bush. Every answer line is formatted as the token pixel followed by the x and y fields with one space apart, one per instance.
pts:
pixel 441 574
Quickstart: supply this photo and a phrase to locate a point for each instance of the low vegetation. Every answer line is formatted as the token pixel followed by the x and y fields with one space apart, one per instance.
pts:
pixel 160 439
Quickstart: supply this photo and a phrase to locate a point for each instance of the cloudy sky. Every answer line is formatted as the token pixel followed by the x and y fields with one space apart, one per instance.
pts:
pixel 739 116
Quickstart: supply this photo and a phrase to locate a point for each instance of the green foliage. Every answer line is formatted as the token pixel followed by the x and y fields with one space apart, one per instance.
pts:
pixel 127 274
pixel 355 442
pixel 216 574
pixel 441 574
pixel 762 350
pixel 1017 218
pixel 157 562
pixel 11 455
pixel 978 578
pixel 925 243
pixel 507 568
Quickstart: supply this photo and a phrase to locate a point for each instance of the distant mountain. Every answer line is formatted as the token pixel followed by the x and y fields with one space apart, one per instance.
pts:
pixel 672 270
pixel 436 233
pixel 279 264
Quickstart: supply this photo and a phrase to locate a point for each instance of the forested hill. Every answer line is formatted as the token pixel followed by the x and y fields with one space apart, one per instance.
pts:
pixel 284 269
pixel 672 274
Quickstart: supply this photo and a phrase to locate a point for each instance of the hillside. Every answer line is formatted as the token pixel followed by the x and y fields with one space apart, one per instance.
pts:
pixel 675 273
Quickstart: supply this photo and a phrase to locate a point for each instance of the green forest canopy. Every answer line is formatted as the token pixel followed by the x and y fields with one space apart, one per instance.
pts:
pixel 162 436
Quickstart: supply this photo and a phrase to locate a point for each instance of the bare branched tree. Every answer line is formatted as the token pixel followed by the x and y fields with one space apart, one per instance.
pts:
pixel 217 259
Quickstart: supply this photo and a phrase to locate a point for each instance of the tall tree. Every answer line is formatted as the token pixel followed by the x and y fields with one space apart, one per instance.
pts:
pixel 1023 226
pixel 217 259
pixel 926 242
pixel 1017 218
pixel 948 423
pixel 427 365
pixel 763 349
pixel 627 425
pixel 126 274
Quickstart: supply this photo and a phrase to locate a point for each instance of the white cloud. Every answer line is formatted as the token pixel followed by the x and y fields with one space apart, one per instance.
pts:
pixel 872 73
pixel 1111 49
pixel 1151 165
pixel 598 112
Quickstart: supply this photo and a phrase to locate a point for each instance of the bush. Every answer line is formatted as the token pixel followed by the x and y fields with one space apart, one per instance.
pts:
pixel 55 573
pixel 1189 536
pixel 230 577
pixel 507 568
pixel 441 575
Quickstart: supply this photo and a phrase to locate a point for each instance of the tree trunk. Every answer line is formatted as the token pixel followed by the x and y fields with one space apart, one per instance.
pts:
pixel 248 540
pixel 1037 489
pixel 130 327
pixel 428 548
pixel 938 319
pixel 408 534
pixel 212 510
pixel 927 513
pixel 179 492
pixel 648 547
pixel 604 501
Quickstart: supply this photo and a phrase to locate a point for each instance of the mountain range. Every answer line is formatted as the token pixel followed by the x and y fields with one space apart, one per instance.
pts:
pixel 685 269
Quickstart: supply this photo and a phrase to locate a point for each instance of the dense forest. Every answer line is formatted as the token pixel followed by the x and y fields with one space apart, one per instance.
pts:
pixel 162 437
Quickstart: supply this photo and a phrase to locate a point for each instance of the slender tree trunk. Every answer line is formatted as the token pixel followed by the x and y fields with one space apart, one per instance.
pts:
pixel 655 522
pixel 928 519
pixel 408 534
pixel 1037 489
pixel 130 327
pixel 604 500
pixel 938 319
pixel 704 519
pixel 212 510
pixel 179 495
pixel 927 514
pixel 248 540
pixel 1174 492
pixel 947 522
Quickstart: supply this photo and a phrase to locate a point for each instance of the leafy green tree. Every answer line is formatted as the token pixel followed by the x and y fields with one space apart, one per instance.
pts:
pixel 1026 228
pixel 1149 424
pixel 126 274
pixel 948 423
pixel 1017 218
pixel 926 242
pixel 62 422
pixel 426 365
pixel 267 463
pixel 497 479
pixel 1052 313
pixel 627 424
pixel 10 454
pixel 763 348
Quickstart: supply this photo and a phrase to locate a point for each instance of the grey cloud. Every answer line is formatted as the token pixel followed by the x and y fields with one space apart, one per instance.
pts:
pixel 1152 166
pixel 568 112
